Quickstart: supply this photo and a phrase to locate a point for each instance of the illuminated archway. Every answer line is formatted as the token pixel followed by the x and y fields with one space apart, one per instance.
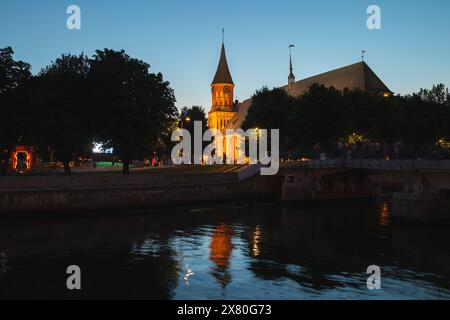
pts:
pixel 26 153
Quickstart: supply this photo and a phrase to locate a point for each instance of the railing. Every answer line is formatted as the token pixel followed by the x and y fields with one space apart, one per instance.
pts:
pixel 375 164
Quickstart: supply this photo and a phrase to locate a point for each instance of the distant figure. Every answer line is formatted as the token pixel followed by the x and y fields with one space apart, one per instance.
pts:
pixel 22 159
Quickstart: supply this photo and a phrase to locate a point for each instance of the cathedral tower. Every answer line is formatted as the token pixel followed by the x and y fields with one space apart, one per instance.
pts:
pixel 222 90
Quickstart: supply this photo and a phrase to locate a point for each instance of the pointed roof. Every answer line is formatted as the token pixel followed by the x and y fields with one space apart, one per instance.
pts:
pixel 355 76
pixel 223 74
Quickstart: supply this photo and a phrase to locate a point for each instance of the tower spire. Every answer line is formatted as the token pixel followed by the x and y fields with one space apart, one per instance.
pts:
pixel 291 78
pixel 223 74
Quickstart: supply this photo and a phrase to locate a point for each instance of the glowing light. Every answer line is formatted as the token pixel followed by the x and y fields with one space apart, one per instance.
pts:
pixel 384 214
pixel 221 245
pixel 257 235
pixel 27 153
pixel 444 143
pixel 98 148
pixel 355 138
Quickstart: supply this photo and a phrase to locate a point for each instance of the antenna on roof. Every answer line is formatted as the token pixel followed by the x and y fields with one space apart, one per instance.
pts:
pixel 291 77
pixel 363 52
pixel 290 55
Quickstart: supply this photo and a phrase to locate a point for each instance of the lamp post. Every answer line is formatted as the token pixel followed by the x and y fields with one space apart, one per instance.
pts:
pixel 187 119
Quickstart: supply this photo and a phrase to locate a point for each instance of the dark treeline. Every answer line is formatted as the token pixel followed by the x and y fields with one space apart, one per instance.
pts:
pixel 333 120
pixel 113 99
pixel 110 98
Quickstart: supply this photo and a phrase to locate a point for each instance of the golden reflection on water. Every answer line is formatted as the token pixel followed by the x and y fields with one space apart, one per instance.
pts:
pixel 221 247
pixel 257 234
pixel 385 214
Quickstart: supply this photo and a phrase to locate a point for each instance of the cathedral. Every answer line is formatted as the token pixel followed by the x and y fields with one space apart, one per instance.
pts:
pixel 229 114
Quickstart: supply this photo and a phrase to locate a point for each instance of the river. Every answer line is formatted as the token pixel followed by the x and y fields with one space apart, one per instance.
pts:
pixel 243 250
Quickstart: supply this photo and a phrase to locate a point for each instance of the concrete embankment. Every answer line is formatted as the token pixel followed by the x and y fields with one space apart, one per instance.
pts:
pixel 106 192
pixel 423 206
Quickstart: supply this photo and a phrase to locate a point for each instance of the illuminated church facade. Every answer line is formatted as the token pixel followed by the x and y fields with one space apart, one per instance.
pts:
pixel 223 107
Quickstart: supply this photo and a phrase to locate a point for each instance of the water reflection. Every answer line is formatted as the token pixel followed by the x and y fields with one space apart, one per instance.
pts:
pixel 321 241
pixel 385 213
pixel 221 247
pixel 256 241
pixel 236 251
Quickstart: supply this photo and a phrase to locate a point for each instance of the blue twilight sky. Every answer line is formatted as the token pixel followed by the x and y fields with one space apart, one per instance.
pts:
pixel 181 38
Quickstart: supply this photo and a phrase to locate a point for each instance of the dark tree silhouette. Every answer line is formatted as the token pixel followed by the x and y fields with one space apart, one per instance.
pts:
pixel 61 113
pixel 132 106
pixel 189 115
pixel 272 109
pixel 325 116
pixel 13 74
pixel 438 94
pixel 187 119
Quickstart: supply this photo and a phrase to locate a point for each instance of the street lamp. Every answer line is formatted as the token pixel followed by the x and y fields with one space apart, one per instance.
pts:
pixel 257 132
pixel 187 119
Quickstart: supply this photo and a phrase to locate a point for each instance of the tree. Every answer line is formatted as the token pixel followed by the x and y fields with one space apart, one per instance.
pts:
pixel 272 109
pixel 426 116
pixel 188 116
pixel 325 115
pixel 319 117
pixel 187 119
pixel 438 94
pixel 13 74
pixel 60 108
pixel 133 107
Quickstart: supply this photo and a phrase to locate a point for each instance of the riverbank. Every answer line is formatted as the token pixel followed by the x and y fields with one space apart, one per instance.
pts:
pixel 36 194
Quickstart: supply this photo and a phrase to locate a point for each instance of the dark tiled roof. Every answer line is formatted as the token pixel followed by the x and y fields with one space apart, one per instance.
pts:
pixel 223 74
pixel 241 113
pixel 355 76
